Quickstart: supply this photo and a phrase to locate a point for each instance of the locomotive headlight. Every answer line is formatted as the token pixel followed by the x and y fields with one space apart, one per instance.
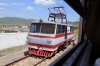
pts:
pixel 49 41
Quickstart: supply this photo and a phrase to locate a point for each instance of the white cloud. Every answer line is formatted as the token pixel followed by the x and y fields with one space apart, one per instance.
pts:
pixel 1 8
pixel 4 4
pixel 29 8
pixel 18 4
pixel 45 2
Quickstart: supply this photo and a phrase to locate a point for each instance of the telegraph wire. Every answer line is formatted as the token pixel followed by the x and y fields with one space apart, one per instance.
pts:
pixel 65 9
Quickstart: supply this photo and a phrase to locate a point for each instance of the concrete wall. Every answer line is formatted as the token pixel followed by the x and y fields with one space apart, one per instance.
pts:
pixel 8 40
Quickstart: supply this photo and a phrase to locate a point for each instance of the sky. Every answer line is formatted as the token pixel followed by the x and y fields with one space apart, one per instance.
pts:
pixel 34 9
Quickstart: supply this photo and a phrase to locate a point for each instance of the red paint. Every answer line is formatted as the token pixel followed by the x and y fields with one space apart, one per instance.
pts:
pixel 61 35
pixel 56 36
pixel 38 52
pixel 47 45
pixel 41 36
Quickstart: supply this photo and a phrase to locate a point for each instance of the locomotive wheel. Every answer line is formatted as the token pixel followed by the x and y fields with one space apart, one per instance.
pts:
pixel 69 42
pixel 66 44
pixel 55 52
pixel 59 49
pixel 30 54
pixel 63 47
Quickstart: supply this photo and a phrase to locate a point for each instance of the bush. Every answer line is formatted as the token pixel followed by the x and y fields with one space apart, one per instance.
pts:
pixel 76 27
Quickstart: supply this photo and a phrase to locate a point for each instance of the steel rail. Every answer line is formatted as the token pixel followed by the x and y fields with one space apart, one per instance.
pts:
pixel 16 61
pixel 29 56
pixel 40 61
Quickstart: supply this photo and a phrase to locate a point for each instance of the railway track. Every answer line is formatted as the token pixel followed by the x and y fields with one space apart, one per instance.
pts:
pixel 39 61
pixel 9 64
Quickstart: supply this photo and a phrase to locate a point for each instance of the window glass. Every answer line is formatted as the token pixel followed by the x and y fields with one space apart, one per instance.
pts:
pixel 44 28
pixel 71 28
pixel 35 28
pixel 48 28
pixel 63 29
pixel 58 29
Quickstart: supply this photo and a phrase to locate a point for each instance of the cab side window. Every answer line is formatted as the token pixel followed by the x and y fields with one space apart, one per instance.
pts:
pixel 33 28
pixel 71 29
pixel 63 29
pixel 58 29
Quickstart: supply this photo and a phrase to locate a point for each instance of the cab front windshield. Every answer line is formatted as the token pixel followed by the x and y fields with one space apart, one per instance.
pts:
pixel 44 28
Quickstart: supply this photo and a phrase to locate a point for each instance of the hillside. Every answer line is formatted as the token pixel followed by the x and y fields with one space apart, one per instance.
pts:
pixel 16 20
pixel 27 22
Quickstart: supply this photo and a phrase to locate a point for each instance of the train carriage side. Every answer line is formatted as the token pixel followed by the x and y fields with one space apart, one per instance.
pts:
pixel 64 34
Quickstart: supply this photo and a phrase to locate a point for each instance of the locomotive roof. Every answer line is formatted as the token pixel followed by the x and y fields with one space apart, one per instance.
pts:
pixel 49 22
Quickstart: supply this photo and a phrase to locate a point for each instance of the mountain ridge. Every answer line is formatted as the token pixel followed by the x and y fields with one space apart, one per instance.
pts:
pixel 16 20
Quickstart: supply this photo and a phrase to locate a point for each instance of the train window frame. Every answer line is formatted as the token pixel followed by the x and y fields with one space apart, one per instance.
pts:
pixel 52 28
pixel 58 29
pixel 33 28
pixel 39 28
pixel 71 28
pixel 63 27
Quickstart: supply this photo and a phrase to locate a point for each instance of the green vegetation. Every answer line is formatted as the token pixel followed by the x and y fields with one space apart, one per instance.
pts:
pixel 76 28
pixel 9 31
pixel 12 50
pixel 16 20
pixel 27 22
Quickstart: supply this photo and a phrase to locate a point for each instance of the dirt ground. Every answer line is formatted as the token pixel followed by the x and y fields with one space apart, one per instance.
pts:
pixel 31 61
pixel 12 50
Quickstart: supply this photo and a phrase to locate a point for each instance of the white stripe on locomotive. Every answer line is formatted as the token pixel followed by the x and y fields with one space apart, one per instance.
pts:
pixel 55 41
pixel 44 41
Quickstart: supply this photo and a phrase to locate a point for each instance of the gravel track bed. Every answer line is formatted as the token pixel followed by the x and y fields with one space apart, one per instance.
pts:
pixel 31 61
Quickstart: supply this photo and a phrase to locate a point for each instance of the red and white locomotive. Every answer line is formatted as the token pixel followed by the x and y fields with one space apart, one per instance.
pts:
pixel 47 38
